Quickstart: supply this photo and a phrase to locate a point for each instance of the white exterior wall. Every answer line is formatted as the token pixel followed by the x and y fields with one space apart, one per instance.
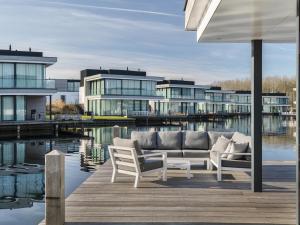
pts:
pixel 71 97
pixel 81 95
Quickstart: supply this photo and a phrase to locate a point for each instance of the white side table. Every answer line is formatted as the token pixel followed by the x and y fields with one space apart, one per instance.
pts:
pixel 179 163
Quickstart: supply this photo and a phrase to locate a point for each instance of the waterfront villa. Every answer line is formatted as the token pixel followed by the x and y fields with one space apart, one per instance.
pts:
pixel 118 92
pixel 180 97
pixel 185 98
pixel 23 85
pixel 110 94
pixel 67 91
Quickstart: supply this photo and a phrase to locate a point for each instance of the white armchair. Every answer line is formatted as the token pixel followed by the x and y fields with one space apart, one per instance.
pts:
pixel 126 161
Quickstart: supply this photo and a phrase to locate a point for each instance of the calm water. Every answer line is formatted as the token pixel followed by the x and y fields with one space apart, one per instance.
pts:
pixel 22 162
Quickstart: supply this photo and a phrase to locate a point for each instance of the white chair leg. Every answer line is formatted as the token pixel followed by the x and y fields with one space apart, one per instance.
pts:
pixel 164 174
pixel 114 175
pixel 136 182
pixel 219 174
pixel 208 164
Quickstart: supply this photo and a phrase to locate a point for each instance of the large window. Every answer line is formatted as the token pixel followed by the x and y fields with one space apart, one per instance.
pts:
pixel 131 87
pixel 113 87
pixel 199 94
pixel 8 108
pixel 6 75
pixel 73 86
pixel 30 75
pixel 20 108
pixel 148 87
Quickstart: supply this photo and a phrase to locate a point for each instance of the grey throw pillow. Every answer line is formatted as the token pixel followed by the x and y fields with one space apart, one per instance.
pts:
pixel 237 148
pixel 221 144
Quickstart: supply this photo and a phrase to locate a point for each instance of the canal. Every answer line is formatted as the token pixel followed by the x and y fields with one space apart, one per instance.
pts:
pixel 22 161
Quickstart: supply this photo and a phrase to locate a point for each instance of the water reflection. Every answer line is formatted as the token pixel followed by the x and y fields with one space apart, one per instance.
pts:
pixel 22 162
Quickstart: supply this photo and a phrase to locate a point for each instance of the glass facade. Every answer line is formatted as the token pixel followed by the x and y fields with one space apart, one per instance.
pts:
pixel 73 86
pixel 12 108
pixel 21 75
pixel 122 87
pixel 116 107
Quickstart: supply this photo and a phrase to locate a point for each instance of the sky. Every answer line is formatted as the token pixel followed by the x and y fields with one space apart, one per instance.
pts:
pixel 139 34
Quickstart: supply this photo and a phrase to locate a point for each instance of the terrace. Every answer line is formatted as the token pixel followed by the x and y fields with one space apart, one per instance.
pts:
pixel 270 196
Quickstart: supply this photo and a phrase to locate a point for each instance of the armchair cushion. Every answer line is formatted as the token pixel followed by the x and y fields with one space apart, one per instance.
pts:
pixel 169 140
pixel 194 140
pixel 150 164
pixel 146 139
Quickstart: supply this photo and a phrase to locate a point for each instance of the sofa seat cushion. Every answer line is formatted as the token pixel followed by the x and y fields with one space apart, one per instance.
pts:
pixel 194 140
pixel 244 164
pixel 236 163
pixel 146 139
pixel 195 153
pixel 170 153
pixel 213 136
pixel 169 140
pixel 151 165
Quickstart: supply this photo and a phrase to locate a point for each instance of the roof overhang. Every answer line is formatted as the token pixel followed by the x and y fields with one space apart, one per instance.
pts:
pixel 242 20
pixel 48 61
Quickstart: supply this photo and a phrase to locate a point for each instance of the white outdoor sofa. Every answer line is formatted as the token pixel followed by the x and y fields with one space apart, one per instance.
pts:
pixel 195 146
pixel 127 158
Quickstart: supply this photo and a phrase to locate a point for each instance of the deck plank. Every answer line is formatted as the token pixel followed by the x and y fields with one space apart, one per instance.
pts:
pixel 200 200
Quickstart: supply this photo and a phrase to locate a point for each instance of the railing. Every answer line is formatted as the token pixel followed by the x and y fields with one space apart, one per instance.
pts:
pixel 27 83
pixel 131 92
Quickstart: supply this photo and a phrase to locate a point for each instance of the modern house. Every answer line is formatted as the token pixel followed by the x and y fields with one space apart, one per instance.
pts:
pixel 180 97
pixel 118 92
pixel 239 102
pixel 185 98
pixel 67 91
pixel 23 85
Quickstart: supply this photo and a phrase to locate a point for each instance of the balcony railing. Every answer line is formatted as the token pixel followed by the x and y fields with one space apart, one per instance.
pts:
pixel 27 83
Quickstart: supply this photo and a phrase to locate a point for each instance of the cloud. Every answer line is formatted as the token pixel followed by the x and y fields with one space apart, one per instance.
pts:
pixel 114 9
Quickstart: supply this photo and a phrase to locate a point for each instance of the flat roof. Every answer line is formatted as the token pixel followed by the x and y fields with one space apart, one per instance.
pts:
pixel 15 56
pixel 91 72
pixel 242 20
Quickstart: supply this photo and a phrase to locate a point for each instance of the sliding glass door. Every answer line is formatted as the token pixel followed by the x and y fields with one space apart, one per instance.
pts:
pixel 8 108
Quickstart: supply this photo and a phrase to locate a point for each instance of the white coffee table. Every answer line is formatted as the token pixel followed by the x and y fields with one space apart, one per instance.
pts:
pixel 179 163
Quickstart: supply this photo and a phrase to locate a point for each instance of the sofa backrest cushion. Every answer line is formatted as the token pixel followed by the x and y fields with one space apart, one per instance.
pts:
pixel 169 140
pixel 128 143
pixel 221 144
pixel 214 135
pixel 194 140
pixel 146 139
pixel 242 138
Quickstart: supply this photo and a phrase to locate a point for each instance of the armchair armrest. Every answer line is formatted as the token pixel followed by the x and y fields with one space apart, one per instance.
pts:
pixel 163 154
pixel 232 153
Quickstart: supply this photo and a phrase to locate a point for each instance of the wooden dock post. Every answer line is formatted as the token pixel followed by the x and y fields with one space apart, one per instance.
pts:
pixel 55 188
pixel 116 131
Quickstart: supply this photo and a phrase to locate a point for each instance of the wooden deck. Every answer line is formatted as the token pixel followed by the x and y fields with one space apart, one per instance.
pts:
pixel 200 200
